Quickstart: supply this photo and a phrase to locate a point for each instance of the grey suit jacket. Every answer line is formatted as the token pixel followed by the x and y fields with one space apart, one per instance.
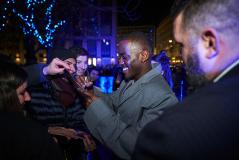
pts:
pixel 116 119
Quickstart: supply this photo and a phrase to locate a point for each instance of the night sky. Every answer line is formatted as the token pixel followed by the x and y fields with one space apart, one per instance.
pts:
pixel 144 12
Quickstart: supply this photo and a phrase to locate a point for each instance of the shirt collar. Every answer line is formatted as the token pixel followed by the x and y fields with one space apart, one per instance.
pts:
pixel 156 70
pixel 226 71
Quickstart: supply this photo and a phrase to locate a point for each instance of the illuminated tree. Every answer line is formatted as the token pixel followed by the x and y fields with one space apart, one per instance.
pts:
pixel 32 21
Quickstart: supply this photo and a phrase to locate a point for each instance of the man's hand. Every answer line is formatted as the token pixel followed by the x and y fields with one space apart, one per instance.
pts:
pixel 84 82
pixel 89 143
pixel 56 66
pixel 85 88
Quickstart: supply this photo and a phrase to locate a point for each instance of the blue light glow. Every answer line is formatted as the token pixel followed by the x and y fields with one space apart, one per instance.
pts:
pixel 106 84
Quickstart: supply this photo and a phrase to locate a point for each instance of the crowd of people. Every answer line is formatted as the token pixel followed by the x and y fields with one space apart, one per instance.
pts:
pixel 59 111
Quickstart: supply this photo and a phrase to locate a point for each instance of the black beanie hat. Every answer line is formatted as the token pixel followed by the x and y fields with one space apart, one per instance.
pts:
pixel 60 53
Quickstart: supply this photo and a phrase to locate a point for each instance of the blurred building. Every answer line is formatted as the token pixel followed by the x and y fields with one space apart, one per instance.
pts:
pixel 165 41
pixel 11 43
pixel 95 31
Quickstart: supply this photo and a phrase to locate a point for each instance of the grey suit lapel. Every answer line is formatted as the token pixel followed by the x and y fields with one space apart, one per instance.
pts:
pixel 129 90
pixel 136 87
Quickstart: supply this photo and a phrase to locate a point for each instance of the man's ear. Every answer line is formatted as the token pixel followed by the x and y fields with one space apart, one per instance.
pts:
pixel 210 40
pixel 144 56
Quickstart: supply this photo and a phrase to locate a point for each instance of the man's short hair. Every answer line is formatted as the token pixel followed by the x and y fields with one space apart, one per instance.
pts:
pixel 141 39
pixel 219 14
pixel 177 7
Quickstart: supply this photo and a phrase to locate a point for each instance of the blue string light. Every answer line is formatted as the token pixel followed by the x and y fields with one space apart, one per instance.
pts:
pixel 30 27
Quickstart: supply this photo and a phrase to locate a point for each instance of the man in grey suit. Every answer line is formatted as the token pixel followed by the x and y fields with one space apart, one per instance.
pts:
pixel 116 119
